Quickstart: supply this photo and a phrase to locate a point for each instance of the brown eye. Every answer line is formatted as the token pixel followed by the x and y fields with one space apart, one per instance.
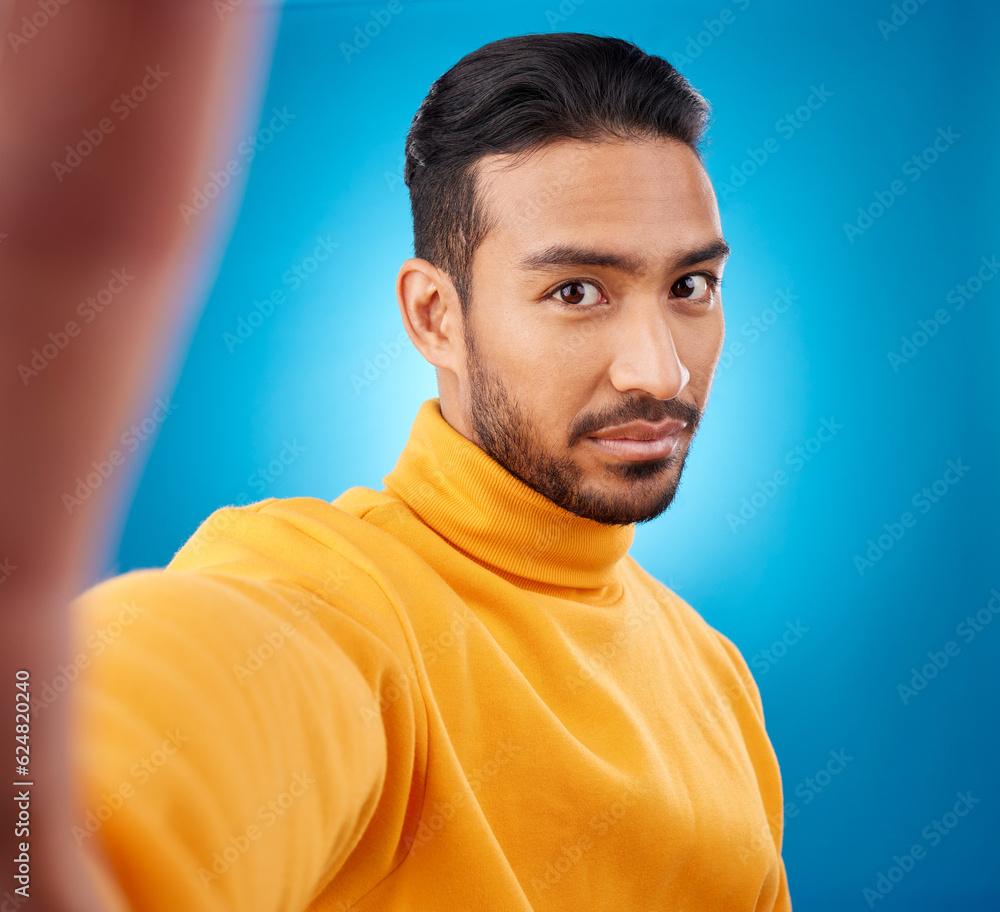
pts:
pixel 582 294
pixel 691 287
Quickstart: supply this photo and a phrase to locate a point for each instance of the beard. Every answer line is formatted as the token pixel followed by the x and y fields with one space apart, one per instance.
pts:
pixel 506 434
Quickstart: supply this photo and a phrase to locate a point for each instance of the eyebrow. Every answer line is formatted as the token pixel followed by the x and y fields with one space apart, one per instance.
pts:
pixel 569 255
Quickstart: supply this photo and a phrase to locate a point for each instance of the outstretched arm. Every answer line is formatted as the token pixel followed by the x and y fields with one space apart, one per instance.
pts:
pixel 111 111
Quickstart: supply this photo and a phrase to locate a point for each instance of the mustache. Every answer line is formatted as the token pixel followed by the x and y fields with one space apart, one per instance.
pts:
pixel 640 409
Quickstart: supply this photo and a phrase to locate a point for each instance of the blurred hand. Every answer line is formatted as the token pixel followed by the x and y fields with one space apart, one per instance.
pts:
pixel 111 112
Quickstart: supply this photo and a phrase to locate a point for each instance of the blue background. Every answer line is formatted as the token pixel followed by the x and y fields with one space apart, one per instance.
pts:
pixel 792 558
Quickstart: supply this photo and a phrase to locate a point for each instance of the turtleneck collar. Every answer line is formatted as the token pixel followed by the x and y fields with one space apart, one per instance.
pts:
pixel 477 505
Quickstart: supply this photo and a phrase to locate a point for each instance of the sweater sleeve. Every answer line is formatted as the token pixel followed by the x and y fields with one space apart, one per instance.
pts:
pixel 765 764
pixel 233 739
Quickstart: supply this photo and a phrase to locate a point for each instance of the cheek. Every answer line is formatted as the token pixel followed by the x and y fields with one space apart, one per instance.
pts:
pixel 552 369
pixel 720 335
pixel 702 346
pixel 541 351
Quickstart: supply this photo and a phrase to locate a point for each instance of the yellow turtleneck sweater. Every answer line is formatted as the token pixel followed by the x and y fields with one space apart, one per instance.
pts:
pixel 448 695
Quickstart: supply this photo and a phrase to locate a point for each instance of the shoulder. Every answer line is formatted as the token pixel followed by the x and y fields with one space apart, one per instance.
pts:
pixel 714 649
pixel 305 539
pixel 263 564
pixel 295 577
pixel 275 523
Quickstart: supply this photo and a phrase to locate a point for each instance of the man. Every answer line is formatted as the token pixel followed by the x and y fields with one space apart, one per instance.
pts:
pixel 460 692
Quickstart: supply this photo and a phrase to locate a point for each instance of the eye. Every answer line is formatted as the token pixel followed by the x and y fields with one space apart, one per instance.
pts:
pixel 578 294
pixel 695 286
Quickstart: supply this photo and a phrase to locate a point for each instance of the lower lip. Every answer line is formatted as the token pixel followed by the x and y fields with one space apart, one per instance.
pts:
pixel 637 450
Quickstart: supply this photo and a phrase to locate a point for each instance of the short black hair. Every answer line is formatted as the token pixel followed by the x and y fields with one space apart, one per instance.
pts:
pixel 516 95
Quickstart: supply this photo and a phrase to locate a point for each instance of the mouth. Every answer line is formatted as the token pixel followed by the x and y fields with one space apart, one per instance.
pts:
pixel 640 440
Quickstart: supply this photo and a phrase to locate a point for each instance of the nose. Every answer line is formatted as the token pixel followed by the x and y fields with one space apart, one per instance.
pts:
pixel 645 356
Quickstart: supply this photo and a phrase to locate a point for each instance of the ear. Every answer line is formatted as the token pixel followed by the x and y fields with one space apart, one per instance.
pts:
pixel 431 312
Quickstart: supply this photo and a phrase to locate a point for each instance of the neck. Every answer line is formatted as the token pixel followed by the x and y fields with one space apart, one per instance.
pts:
pixel 470 500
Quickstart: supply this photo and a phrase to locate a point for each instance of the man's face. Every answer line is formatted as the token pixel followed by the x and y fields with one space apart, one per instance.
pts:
pixel 595 325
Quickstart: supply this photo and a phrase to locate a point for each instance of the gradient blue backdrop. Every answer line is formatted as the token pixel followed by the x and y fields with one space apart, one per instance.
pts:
pixel 879 96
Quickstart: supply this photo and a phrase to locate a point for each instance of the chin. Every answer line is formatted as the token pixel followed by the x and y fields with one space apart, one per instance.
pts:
pixel 633 472
pixel 620 504
pixel 632 492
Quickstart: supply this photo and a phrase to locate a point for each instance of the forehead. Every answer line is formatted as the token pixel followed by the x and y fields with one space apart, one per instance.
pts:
pixel 652 194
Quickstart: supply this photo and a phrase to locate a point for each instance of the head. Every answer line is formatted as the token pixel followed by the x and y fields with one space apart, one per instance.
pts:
pixel 568 254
